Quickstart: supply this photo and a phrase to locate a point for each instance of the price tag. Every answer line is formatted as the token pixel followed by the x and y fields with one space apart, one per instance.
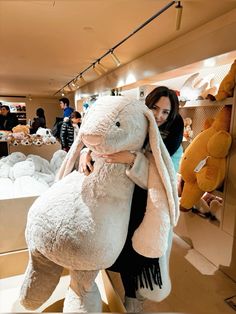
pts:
pixel 201 164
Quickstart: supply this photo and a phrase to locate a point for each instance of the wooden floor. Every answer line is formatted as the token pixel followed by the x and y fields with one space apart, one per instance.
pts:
pixel 197 286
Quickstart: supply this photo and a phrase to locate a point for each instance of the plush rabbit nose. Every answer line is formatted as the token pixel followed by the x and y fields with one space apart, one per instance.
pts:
pixel 92 139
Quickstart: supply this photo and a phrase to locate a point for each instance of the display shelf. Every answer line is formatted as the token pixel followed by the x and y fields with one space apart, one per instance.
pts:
pixel 213 238
pixel 205 103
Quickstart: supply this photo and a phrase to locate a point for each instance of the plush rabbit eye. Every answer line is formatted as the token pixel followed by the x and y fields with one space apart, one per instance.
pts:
pixel 118 124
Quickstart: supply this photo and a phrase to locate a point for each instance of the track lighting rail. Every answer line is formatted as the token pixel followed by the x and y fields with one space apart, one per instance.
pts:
pixel 101 68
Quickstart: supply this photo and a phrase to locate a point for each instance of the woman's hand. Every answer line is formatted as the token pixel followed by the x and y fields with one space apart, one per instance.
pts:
pixel 124 157
pixel 85 165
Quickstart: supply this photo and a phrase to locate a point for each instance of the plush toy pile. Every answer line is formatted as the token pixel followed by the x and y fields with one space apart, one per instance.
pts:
pixel 24 176
pixel 20 136
pixel 81 221
pixel 203 164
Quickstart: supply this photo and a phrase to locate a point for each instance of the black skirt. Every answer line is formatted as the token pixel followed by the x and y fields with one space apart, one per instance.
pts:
pixel 143 269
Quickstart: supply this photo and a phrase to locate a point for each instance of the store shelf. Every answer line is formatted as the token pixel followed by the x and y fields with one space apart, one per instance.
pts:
pixel 18 111
pixel 205 103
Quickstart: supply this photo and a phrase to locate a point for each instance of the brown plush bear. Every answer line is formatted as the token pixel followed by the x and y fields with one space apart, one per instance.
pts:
pixel 203 164
pixel 21 128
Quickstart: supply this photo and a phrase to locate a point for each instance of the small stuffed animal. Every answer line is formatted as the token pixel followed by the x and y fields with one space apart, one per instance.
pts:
pixel 81 222
pixel 226 87
pixel 203 163
pixel 21 128
pixel 188 132
pixel 37 139
pixel 44 132
pixel 14 141
pixel 27 140
pixel 47 136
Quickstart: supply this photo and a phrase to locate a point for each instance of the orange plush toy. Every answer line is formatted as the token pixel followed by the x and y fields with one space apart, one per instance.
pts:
pixel 203 163
pixel 227 85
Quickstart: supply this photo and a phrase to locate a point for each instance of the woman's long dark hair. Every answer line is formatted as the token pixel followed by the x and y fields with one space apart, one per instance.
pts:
pixel 160 91
pixel 40 113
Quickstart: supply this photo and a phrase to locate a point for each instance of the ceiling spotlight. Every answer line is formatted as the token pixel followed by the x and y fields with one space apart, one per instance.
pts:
pixel 116 60
pixel 73 83
pixel 96 70
pixel 102 67
pixel 179 9
pixel 70 88
pixel 82 80
pixel 62 93
pixel 30 98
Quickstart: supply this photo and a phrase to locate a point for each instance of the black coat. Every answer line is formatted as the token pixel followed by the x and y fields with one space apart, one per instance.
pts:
pixel 8 122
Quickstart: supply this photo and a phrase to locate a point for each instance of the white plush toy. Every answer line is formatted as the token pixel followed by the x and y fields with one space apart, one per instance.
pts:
pixel 81 222
pixel 25 183
pixel 57 159
pixel 43 172
pixel 13 158
pixel 47 136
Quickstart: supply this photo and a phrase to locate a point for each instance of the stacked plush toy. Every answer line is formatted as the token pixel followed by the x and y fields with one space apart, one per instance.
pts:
pixel 227 85
pixel 20 135
pixel 24 176
pixel 203 164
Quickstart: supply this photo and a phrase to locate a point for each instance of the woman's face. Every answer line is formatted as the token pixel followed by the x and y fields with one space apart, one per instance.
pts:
pixel 75 120
pixel 161 110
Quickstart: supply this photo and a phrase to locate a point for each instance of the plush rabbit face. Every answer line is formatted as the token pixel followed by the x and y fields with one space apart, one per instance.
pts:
pixel 111 126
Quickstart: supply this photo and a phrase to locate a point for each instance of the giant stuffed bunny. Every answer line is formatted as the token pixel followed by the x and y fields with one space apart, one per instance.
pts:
pixel 81 222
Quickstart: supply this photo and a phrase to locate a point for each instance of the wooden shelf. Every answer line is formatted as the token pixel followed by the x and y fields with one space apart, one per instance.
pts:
pixel 205 103
pixel 18 111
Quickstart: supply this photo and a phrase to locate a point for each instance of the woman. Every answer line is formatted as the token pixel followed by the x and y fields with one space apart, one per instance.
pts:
pixel 165 106
pixel 69 130
pixel 39 121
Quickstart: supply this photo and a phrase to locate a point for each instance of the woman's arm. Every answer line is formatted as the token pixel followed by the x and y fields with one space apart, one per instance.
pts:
pixel 137 165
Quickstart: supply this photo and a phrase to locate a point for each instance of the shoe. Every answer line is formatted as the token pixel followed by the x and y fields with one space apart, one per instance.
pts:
pixel 133 305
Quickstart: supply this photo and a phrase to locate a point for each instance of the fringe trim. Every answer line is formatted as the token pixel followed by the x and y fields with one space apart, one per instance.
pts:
pixel 150 274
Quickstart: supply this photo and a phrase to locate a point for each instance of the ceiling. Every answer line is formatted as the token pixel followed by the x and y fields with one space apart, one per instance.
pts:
pixel 45 44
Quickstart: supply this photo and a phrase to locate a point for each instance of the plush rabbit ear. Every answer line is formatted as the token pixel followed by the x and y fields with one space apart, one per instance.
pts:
pixel 151 237
pixel 165 167
pixel 71 158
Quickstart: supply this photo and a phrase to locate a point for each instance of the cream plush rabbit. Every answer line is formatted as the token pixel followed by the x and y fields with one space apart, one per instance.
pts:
pixel 81 222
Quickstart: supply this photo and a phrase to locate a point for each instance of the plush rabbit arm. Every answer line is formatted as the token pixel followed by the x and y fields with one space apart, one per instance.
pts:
pixel 151 237
pixel 138 173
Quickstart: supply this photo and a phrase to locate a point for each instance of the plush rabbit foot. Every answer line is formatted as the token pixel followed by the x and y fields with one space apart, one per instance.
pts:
pixel 83 295
pixel 90 302
pixel 41 278
pixel 133 305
